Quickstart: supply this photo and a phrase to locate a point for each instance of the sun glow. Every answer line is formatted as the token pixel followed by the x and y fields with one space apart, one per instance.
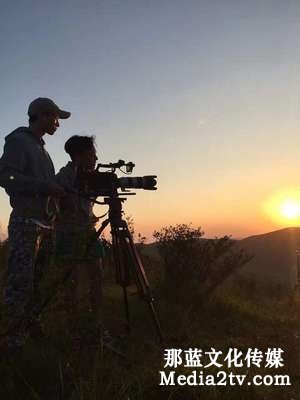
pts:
pixel 284 207
pixel 290 209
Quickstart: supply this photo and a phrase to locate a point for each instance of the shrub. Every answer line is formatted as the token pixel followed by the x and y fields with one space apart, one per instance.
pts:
pixel 189 258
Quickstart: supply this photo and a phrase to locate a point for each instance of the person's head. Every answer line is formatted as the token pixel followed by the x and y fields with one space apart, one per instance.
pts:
pixel 82 151
pixel 44 115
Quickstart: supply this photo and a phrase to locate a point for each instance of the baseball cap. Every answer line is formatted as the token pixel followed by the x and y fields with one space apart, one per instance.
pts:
pixel 43 104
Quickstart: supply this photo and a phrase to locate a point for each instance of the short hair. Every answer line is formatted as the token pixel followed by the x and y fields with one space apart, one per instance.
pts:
pixel 32 118
pixel 77 145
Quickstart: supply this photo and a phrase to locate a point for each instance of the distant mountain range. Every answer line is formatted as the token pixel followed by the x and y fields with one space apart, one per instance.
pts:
pixel 275 256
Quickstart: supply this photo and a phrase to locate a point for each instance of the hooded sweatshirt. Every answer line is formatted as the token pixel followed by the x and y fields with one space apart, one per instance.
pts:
pixel 26 170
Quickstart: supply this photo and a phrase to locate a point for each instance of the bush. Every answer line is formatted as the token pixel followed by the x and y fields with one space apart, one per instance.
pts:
pixel 190 259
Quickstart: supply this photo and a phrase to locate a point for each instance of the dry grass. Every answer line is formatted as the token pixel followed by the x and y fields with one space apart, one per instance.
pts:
pixel 52 368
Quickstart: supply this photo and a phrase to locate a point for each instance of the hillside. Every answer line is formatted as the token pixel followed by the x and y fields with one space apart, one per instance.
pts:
pixel 274 256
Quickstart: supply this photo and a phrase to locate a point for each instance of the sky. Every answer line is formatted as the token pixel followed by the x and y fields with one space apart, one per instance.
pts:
pixel 204 94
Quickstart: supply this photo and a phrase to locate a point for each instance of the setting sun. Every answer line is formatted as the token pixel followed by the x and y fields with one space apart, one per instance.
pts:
pixel 290 209
pixel 284 207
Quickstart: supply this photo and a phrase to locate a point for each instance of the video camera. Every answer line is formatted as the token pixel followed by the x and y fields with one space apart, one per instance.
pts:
pixel 97 183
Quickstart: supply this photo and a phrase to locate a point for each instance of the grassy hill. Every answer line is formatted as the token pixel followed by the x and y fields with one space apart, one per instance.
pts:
pixel 274 258
pixel 71 364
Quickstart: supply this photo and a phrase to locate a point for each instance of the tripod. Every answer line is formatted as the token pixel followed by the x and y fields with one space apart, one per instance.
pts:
pixel 127 260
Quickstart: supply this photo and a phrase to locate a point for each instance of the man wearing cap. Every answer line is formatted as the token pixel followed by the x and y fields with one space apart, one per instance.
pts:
pixel 27 175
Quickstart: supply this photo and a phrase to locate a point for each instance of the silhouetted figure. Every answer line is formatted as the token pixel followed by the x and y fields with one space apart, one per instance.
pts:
pixel 75 227
pixel 28 176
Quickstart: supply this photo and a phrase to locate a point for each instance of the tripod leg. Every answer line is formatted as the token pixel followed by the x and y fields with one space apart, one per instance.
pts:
pixel 144 285
pixel 134 263
pixel 122 276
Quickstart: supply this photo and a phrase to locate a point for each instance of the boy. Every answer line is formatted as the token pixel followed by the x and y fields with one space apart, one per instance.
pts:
pixel 75 228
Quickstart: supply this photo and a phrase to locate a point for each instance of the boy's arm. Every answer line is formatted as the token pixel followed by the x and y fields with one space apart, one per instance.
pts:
pixel 13 178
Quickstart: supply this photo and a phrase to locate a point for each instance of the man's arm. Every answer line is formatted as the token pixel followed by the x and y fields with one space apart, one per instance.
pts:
pixel 12 177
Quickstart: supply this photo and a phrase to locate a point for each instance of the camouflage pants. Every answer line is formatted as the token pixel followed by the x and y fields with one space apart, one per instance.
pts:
pixel 85 285
pixel 30 254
